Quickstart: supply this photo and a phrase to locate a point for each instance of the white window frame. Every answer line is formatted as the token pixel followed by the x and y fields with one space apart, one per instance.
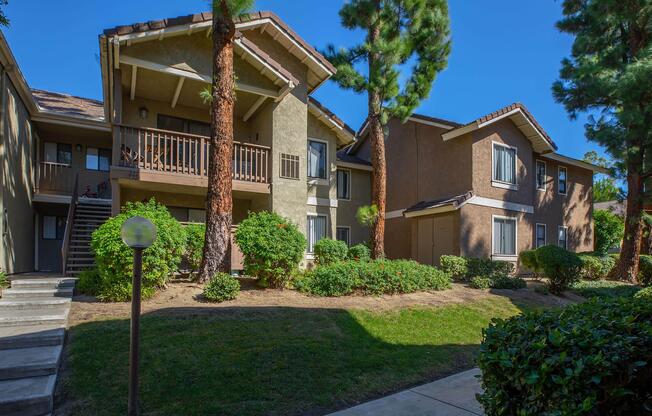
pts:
pixel 506 257
pixel 536 175
pixel 337 177
pixel 316 180
pixel 559 169
pixel 312 214
pixel 545 234
pixel 565 228
pixel 500 184
pixel 346 227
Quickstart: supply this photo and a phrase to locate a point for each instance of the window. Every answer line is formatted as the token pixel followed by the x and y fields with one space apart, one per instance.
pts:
pixel 541 175
pixel 563 184
pixel 57 153
pixel 53 227
pixel 317 159
pixel 504 236
pixel 343 184
pixel 316 230
pixel 540 235
pixel 289 166
pixel 183 125
pixel 344 234
pixel 504 169
pixel 197 215
pixel 98 159
pixel 562 240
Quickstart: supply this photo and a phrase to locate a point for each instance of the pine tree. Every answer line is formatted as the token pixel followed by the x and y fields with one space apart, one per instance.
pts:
pixel 398 32
pixel 604 186
pixel 219 205
pixel 609 75
pixel 4 21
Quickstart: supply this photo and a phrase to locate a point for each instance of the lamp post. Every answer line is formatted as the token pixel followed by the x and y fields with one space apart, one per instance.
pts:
pixel 138 233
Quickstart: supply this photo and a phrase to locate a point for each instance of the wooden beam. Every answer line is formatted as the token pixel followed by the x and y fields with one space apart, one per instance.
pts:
pixel 253 108
pixel 177 91
pixel 116 53
pixel 134 75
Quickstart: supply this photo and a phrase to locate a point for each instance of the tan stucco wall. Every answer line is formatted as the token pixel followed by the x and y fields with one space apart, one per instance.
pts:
pixel 324 190
pixel 17 156
pixel 347 209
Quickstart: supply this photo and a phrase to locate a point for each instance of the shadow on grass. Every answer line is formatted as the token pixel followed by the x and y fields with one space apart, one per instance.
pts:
pixel 270 360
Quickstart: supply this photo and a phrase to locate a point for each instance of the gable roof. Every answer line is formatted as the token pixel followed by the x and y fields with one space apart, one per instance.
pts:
pixel 343 131
pixel 68 105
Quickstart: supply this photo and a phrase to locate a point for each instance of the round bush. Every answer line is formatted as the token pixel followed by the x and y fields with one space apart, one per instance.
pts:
pixel 477 266
pixel 329 251
pixel 596 268
pixel 195 237
pixel 609 230
pixel 503 281
pixel 480 282
pixel 560 266
pixel 645 270
pixel 592 358
pixel 528 259
pixel 645 293
pixel 454 265
pixel 359 252
pixel 272 247
pixel 115 260
pixel 221 287
pixel 89 282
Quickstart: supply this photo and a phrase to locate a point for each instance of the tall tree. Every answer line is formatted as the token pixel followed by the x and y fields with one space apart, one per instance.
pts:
pixel 609 75
pixel 604 186
pixel 398 32
pixel 219 204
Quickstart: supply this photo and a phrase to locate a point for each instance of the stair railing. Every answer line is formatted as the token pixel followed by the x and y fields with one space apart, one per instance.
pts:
pixel 69 223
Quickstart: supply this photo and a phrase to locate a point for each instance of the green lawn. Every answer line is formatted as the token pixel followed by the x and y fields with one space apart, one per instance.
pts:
pixel 272 361
pixel 604 289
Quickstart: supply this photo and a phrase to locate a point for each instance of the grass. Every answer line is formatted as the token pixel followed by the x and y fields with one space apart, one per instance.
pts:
pixel 605 289
pixel 272 361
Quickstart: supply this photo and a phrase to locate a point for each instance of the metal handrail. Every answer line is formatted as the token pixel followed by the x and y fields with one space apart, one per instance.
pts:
pixel 65 246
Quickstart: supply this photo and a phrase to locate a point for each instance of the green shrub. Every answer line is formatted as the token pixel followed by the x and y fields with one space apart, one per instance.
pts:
pixel 480 282
pixel 359 252
pixel 592 358
pixel 4 282
pixel 594 267
pixel 529 261
pixel 609 230
pixel 542 289
pixel 195 237
pixel 221 287
pixel 645 270
pixel 645 293
pixel 329 251
pixel 604 289
pixel 503 281
pixel 454 265
pixel 502 267
pixel 477 266
pixel 272 247
pixel 115 260
pixel 373 277
pixel 89 283
pixel 560 266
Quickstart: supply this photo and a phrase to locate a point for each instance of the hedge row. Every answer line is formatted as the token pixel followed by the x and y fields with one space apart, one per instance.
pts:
pixel 466 268
pixel 328 251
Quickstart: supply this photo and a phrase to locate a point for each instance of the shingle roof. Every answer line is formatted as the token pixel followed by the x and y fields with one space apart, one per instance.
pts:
pixel 342 156
pixel 332 115
pixel 208 16
pixel 266 58
pixel 69 105
pixel 456 201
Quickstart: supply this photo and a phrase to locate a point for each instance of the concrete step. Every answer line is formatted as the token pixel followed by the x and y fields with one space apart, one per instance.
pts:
pixel 43 283
pixel 54 316
pixel 29 362
pixel 31 336
pixel 18 304
pixel 11 294
pixel 28 396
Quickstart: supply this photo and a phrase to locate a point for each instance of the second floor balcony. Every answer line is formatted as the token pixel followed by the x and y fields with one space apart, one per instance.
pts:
pixel 157 155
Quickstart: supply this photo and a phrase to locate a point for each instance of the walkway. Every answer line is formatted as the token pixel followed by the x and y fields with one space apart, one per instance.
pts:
pixel 451 396
pixel 33 316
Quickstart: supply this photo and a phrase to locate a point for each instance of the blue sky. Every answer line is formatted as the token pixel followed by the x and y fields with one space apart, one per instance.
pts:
pixel 503 51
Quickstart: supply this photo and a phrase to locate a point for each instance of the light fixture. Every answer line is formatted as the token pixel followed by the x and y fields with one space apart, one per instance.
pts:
pixel 78 147
pixel 143 112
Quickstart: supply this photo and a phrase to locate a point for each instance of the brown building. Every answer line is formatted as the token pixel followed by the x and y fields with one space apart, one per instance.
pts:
pixel 489 188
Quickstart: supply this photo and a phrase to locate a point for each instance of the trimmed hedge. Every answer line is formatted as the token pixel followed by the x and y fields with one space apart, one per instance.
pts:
pixel 221 287
pixel 595 267
pixel 560 266
pixel 588 359
pixel 480 282
pixel 359 252
pixel 466 268
pixel 196 235
pixel 456 266
pixel 529 261
pixel 645 270
pixel 497 281
pixel 373 278
pixel 329 251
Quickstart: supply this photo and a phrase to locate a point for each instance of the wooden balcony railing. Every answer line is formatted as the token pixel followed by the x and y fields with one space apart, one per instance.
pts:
pixel 170 151
pixel 56 177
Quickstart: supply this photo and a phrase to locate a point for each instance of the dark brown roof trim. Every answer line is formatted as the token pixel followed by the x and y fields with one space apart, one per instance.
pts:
pixel 266 58
pixel 455 201
pixel 332 115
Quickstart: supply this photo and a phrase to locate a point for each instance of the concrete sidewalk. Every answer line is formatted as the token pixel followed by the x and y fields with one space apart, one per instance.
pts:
pixel 450 396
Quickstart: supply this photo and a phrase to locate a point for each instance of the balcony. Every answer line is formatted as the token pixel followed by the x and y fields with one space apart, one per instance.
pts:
pixel 58 179
pixel 155 155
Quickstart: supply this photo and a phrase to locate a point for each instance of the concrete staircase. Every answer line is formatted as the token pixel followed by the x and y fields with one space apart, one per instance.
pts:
pixel 33 316
pixel 89 215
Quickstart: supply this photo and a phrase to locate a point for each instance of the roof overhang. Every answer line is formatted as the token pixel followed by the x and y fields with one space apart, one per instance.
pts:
pixel 575 162
pixel 439 207
pixel 539 139
pixel 349 165
pixel 343 134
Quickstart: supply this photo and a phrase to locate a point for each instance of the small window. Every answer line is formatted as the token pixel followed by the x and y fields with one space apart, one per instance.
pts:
pixel 53 227
pixel 562 240
pixel 343 184
pixel 504 169
pixel 541 175
pixel 317 159
pixel 316 230
pixel 563 182
pixel 540 235
pixel 289 166
pixel 98 159
pixel 344 234
pixel 504 236
pixel 57 153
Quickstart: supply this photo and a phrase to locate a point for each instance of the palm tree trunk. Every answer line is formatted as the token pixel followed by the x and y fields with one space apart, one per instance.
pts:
pixel 219 204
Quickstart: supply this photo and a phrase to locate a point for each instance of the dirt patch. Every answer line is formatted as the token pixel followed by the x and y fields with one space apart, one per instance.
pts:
pixel 182 294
